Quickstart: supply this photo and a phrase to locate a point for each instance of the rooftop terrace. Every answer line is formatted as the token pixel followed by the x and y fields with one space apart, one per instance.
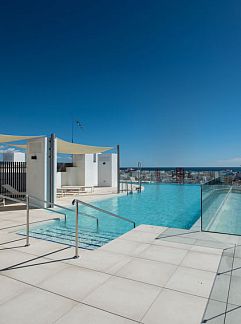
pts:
pixel 149 275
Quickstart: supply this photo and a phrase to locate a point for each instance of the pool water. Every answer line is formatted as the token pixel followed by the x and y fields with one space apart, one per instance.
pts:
pixel 159 204
pixel 168 205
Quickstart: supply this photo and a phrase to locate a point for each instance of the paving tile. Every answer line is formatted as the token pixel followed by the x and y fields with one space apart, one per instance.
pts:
pixel 213 311
pixel 237 267
pixel 235 291
pixel 178 239
pixel 102 260
pixel 175 231
pixel 152 272
pixel 11 257
pixel 164 254
pixel 10 288
pixel 150 229
pixel 125 297
pixel 206 249
pixel 213 244
pixel 40 247
pixel 36 306
pixel 220 288
pixel 74 282
pixel 125 247
pixel 226 264
pixel 34 274
pixel 202 261
pixel 139 236
pixel 86 314
pixel 193 281
pixel 175 308
pixel 178 245
pixel 233 316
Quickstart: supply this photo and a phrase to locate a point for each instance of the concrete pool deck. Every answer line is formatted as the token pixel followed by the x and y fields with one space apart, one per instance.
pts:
pixel 135 278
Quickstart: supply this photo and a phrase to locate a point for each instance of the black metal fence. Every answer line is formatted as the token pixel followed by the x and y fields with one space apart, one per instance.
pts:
pixel 14 175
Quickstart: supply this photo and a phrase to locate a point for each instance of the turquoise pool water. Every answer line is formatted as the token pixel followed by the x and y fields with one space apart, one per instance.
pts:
pixel 159 204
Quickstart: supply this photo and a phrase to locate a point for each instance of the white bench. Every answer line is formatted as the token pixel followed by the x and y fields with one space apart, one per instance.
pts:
pixel 73 190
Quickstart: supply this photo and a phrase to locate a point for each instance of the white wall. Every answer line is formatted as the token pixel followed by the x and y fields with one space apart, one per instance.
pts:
pixel 59 179
pixel 114 170
pixel 107 170
pixel 10 156
pixel 37 182
pixel 83 173
pixel 91 170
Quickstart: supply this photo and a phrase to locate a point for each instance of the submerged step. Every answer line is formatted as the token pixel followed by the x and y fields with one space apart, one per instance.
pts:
pixel 88 239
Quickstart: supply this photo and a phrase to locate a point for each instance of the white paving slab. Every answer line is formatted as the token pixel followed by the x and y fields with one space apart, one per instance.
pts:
pixel 124 279
pixel 10 288
pixel 128 298
pixel 147 271
pixel 74 282
pixel 192 281
pixel 90 315
pixel 175 308
pixel 202 261
pixel 164 254
pixel 34 306
pixel 125 247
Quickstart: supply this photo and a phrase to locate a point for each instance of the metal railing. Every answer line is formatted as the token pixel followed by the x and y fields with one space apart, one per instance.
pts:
pixel 28 203
pixel 129 187
pixel 65 208
pixel 77 201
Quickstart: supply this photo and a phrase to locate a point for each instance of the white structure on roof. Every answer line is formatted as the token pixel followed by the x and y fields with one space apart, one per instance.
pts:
pixel 41 155
pixel 13 156
pixel 107 170
pixel 90 170
pixel 84 172
pixel 39 169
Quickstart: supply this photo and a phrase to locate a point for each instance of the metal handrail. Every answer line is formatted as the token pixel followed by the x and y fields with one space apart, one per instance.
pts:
pixel 27 202
pixel 103 211
pixel 23 201
pixel 66 208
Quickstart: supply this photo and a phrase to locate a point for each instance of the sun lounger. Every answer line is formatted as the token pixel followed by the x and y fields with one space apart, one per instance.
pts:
pixel 73 190
pixel 13 191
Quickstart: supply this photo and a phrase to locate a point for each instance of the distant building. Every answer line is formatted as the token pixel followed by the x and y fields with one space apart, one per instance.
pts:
pixel 12 156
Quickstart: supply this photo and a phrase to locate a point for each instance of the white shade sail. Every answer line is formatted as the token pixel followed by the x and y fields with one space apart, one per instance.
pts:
pixel 14 138
pixel 72 148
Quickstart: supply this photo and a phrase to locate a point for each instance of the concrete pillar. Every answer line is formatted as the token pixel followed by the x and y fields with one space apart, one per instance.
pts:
pixel 41 158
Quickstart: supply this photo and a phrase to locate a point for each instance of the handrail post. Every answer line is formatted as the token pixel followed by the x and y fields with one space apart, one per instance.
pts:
pixel 77 230
pixel 27 221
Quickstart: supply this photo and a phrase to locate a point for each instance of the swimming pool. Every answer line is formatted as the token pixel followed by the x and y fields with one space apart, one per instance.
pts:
pixel 170 205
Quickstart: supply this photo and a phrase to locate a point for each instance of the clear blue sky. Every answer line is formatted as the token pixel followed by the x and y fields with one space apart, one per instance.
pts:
pixel 161 78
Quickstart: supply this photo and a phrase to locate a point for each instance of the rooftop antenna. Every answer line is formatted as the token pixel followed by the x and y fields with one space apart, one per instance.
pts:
pixel 76 123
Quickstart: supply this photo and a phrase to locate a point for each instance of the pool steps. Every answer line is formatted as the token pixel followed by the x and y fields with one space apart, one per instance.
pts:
pixel 88 239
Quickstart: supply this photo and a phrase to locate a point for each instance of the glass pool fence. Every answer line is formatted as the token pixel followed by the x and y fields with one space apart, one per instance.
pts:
pixel 221 207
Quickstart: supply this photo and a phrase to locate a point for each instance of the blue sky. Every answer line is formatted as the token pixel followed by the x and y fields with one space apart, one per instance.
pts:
pixel 161 78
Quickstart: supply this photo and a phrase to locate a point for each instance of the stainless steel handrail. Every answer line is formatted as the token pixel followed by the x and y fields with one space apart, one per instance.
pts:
pixel 32 204
pixel 28 203
pixel 65 208
pixel 103 211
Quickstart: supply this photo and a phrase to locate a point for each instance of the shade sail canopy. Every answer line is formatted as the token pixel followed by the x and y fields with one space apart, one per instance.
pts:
pixel 73 148
pixel 14 138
